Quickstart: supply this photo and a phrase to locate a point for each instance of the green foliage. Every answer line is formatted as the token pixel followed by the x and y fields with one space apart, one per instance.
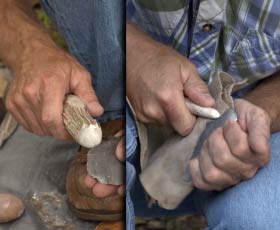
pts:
pixel 44 19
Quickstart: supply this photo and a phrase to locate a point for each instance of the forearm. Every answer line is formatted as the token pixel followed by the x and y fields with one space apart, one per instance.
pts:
pixel 21 33
pixel 267 95
pixel 139 48
pixel 136 39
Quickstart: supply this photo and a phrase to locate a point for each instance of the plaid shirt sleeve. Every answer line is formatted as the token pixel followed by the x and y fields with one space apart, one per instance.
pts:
pixel 241 37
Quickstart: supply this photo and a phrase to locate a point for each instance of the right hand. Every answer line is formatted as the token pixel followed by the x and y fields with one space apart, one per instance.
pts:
pixel 40 83
pixel 157 82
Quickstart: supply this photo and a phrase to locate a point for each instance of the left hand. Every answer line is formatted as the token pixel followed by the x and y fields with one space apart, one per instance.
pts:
pixel 234 152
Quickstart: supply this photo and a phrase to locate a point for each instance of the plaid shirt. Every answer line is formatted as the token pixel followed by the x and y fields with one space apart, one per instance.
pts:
pixel 241 37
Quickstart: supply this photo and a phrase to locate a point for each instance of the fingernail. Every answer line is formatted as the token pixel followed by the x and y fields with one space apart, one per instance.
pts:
pixel 207 96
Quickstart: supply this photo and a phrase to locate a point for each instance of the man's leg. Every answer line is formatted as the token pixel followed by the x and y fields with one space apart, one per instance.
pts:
pixel 252 204
pixel 94 32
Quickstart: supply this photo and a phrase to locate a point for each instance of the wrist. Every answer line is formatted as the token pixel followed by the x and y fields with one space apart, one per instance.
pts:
pixel 265 97
pixel 37 50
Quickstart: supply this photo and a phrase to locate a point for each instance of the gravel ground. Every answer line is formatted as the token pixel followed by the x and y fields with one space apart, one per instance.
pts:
pixel 193 222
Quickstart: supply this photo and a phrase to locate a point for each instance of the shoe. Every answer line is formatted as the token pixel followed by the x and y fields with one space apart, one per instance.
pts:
pixel 81 199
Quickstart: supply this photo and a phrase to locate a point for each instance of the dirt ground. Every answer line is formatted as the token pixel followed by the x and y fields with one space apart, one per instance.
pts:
pixel 192 222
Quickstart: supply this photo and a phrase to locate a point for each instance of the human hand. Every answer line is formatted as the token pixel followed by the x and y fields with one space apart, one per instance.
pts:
pixel 39 86
pixel 234 152
pixel 158 79
pixel 104 190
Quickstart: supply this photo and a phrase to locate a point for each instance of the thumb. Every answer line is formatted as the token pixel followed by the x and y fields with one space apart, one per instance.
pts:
pixel 197 90
pixel 86 93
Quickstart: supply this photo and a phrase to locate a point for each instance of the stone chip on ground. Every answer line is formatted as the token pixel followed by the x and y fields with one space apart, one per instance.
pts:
pixel 38 165
pixel 11 207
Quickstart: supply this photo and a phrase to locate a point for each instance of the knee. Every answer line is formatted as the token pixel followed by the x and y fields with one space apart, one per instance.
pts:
pixel 235 211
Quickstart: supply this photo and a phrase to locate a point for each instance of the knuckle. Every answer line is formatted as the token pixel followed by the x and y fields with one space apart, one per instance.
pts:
pixel 240 149
pixel 29 91
pixel 212 175
pixel 220 159
pixel 166 98
pixel 151 111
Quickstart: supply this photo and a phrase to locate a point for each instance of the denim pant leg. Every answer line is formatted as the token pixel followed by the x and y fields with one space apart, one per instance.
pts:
pixel 250 205
pixel 94 32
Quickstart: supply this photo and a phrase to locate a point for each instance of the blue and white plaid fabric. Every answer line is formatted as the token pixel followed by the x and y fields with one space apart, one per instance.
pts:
pixel 241 37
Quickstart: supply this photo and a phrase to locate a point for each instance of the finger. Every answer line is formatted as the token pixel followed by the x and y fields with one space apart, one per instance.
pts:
pixel 26 112
pixel 104 190
pixel 120 150
pixel 237 141
pixel 153 113
pixel 20 119
pixel 259 133
pixel 256 123
pixel 197 179
pixel 144 119
pixel 90 181
pixel 120 133
pixel 121 190
pixel 52 97
pixel 31 95
pixel 84 90
pixel 213 175
pixel 223 158
pixel 195 88
pixel 177 114
pixel 15 113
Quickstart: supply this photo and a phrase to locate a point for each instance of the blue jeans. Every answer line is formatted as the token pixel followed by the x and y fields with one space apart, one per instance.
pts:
pixel 252 204
pixel 94 32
